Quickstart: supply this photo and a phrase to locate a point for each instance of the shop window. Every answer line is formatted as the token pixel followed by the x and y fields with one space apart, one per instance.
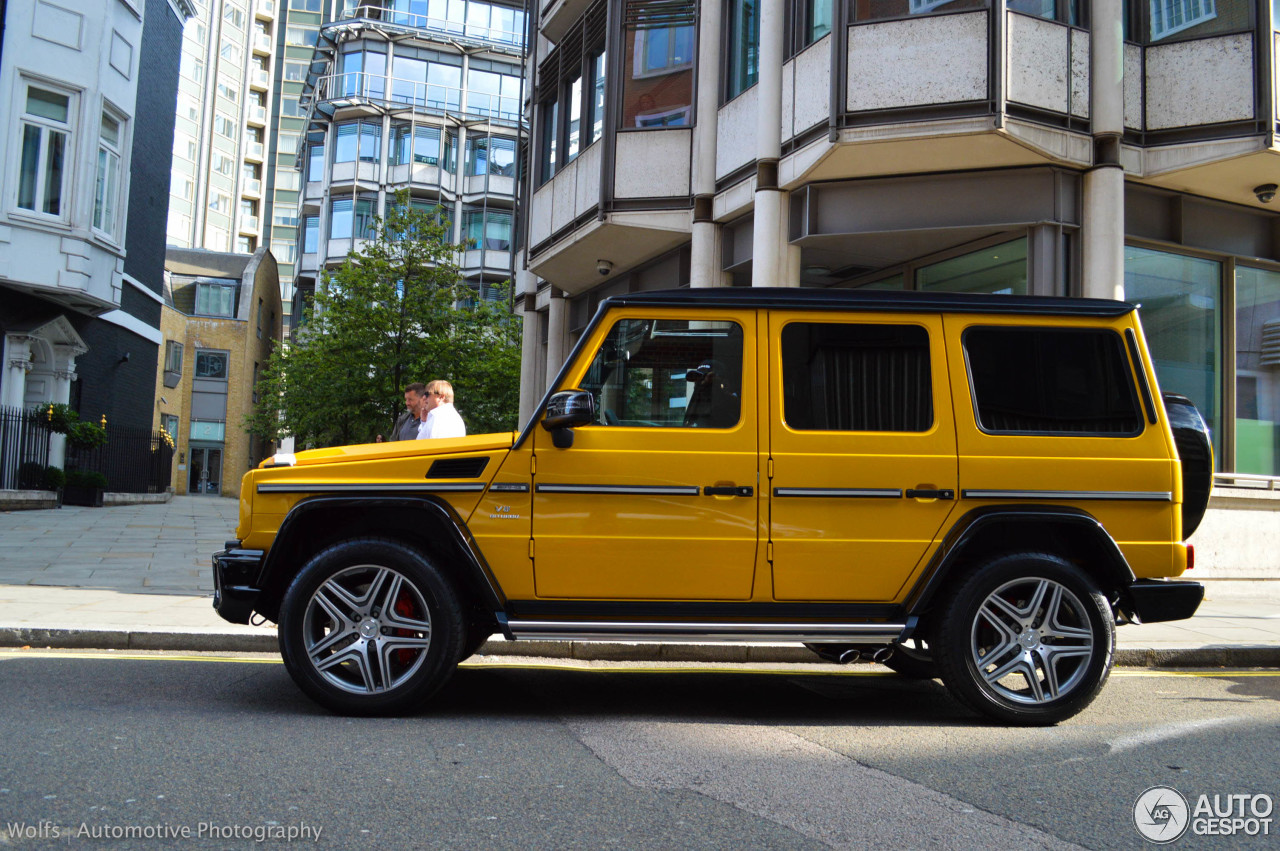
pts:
pixel 1257 440
pixel 1000 269
pixel 1181 309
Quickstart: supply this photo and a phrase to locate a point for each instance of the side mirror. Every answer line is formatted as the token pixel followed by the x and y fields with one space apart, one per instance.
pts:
pixel 569 408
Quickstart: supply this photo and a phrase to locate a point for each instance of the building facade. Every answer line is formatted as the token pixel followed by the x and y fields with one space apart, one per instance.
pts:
pixel 416 96
pixel 221 320
pixel 1067 147
pixel 88 101
pixel 225 101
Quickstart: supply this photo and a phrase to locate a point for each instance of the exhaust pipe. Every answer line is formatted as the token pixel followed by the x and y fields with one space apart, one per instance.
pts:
pixel 882 655
pixel 853 654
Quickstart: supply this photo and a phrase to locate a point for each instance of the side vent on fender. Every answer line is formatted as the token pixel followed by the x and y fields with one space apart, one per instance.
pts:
pixel 458 468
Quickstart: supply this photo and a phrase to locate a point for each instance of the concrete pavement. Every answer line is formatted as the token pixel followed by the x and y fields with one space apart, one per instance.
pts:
pixel 139 577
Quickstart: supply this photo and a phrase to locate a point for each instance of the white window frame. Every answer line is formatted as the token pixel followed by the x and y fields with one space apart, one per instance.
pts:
pixel 47 127
pixel 107 205
pixel 1191 13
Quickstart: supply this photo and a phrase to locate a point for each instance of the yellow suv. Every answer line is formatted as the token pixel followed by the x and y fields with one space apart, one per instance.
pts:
pixel 972 487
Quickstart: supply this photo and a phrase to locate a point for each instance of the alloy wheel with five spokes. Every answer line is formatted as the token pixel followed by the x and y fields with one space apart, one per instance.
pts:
pixel 1028 639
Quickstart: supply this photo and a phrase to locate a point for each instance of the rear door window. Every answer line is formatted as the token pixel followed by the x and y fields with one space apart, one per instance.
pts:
pixel 1051 381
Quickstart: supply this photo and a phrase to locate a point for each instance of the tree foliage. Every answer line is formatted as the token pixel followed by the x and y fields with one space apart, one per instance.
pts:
pixel 394 313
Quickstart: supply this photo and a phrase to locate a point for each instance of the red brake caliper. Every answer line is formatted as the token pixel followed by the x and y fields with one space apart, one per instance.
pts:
pixel 404 608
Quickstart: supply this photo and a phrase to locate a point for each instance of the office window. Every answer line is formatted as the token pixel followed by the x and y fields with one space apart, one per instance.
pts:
pixel 487 229
pixel 575 119
pixel 172 356
pixel 351 217
pixel 415 144
pixel 491 155
pixel 358 140
pixel 315 162
pixel 211 364
pixel 106 185
pixel 744 46
pixel 215 299
pixel 876 10
pixel 657 88
pixel 45 128
pixel 549 115
pixel 595 108
pixel 310 234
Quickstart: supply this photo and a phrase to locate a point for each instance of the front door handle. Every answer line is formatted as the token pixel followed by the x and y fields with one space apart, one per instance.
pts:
pixel 728 490
pixel 941 493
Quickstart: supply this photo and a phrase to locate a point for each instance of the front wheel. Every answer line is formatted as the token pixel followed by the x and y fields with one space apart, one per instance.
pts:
pixel 1026 640
pixel 370 627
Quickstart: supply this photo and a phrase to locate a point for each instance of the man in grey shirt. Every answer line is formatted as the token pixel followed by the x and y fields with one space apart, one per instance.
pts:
pixel 406 427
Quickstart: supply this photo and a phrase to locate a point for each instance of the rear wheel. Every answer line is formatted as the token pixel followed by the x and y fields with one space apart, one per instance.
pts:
pixel 1027 640
pixel 370 627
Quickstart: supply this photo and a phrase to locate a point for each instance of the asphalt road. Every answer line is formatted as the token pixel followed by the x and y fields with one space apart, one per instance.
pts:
pixel 136 750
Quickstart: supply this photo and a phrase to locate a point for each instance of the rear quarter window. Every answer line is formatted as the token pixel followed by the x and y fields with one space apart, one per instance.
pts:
pixel 1049 381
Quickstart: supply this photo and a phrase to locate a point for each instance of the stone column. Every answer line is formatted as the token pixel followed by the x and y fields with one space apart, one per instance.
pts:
pixel 1102 230
pixel 767 251
pixel 704 268
pixel 16 366
pixel 64 372
pixel 530 383
pixel 556 348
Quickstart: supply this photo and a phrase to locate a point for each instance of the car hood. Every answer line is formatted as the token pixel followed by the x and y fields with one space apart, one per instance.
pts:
pixel 395 449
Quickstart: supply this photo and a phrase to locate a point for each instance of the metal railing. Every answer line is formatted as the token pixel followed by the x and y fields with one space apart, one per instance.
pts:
pixel 376 87
pixel 134 460
pixel 1246 480
pixel 24 448
pixel 492 35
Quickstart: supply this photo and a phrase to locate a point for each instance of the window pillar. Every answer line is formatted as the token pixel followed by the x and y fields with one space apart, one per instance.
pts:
pixel 530 386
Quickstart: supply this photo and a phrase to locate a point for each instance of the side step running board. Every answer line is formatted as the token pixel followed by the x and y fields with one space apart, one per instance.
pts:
pixel 703 633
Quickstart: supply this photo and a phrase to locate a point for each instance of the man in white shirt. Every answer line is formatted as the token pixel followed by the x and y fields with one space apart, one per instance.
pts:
pixel 439 417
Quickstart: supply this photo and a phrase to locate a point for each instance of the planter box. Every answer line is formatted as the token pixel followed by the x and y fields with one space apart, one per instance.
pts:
pixel 80 495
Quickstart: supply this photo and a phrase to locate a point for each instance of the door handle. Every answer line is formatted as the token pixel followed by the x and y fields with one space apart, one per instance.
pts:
pixel 942 493
pixel 728 490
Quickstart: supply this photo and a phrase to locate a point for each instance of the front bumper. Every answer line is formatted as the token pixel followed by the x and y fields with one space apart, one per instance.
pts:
pixel 235 577
pixel 1156 600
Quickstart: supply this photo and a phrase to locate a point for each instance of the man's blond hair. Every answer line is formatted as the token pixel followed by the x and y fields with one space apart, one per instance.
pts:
pixel 441 388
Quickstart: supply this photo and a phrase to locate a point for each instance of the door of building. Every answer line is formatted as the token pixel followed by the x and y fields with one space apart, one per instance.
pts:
pixel 205 470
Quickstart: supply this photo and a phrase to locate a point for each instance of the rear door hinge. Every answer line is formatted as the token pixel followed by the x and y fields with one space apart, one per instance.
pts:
pixel 531 548
pixel 769 468
pixel 768 551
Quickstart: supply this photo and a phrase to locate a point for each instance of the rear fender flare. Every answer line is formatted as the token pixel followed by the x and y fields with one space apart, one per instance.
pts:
pixel 985 532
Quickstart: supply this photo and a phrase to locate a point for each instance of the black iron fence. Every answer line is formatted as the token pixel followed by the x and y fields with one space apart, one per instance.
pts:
pixel 24 449
pixel 134 459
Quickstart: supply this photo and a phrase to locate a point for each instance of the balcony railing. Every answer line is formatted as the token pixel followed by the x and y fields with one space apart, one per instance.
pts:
pixel 257 115
pixel 254 151
pixel 490 35
pixel 252 186
pixel 248 224
pixel 375 87
pixel 262 43
pixel 260 78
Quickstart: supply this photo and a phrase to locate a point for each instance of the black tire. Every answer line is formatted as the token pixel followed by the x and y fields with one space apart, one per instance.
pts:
pixel 1027 640
pixel 370 627
pixel 913 660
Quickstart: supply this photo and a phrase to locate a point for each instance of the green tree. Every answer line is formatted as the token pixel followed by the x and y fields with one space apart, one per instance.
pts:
pixel 394 313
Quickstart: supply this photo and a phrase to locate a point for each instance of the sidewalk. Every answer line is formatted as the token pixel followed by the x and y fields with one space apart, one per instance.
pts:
pixel 139 577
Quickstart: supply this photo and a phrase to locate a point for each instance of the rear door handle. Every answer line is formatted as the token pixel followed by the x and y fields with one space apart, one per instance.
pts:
pixel 942 493
pixel 728 490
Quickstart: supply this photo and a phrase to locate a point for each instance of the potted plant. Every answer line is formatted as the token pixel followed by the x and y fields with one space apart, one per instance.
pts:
pixel 55 480
pixel 84 488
